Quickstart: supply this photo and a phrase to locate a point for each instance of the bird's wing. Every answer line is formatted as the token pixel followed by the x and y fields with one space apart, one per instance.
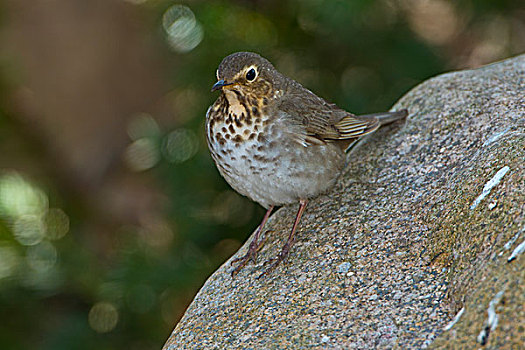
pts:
pixel 322 121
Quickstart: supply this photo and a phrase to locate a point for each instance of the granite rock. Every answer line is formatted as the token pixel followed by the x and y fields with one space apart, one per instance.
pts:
pixel 427 223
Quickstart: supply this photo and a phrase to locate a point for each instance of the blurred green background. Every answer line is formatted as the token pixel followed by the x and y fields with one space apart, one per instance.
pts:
pixel 112 214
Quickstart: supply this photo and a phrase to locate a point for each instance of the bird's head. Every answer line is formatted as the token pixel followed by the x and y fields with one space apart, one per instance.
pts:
pixel 247 73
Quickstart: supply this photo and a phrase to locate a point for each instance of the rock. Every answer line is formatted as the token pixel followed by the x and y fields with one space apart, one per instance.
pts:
pixel 421 226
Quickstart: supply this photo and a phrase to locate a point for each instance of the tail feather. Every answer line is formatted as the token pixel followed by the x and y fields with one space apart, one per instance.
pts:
pixel 385 117
pixel 352 128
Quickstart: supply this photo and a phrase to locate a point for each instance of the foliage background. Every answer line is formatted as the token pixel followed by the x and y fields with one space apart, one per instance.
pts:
pixel 112 214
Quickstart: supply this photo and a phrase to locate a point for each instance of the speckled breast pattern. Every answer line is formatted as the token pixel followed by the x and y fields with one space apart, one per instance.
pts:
pixel 256 157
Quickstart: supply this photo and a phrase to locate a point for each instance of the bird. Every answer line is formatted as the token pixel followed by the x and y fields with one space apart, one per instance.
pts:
pixel 276 142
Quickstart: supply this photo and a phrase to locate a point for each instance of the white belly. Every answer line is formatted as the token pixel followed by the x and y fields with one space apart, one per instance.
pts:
pixel 275 170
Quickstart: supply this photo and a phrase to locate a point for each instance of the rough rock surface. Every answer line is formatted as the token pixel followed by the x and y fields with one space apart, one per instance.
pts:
pixel 419 228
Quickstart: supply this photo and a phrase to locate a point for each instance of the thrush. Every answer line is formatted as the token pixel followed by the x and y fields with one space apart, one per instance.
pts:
pixel 276 142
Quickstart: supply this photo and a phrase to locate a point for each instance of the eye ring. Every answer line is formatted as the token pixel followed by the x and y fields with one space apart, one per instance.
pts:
pixel 251 74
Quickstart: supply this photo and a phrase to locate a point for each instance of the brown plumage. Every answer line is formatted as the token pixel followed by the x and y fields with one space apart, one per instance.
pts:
pixel 277 142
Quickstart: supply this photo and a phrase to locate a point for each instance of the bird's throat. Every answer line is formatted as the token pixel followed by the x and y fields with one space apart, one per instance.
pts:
pixel 235 105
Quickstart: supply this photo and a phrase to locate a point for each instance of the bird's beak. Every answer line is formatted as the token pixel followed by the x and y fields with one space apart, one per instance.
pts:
pixel 218 85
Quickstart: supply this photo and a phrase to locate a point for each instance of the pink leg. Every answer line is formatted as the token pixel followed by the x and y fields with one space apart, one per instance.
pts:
pixel 291 238
pixel 254 245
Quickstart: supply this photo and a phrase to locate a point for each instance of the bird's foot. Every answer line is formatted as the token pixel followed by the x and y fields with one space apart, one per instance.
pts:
pixel 251 255
pixel 274 262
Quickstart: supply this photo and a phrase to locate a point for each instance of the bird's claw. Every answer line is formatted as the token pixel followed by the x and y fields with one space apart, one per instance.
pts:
pixel 250 256
pixel 274 262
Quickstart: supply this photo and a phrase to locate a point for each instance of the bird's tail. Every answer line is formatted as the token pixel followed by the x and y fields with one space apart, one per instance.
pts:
pixel 385 117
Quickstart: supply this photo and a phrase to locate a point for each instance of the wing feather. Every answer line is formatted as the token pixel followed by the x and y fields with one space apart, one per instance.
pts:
pixel 321 121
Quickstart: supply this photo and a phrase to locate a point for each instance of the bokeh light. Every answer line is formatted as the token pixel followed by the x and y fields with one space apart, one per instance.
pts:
pixel 143 125
pixel 56 224
pixel 180 145
pixel 29 230
pixel 103 317
pixel 41 257
pixel 142 154
pixel 436 21
pixel 156 232
pixel 25 209
pixel 495 38
pixel 19 197
pixel 183 32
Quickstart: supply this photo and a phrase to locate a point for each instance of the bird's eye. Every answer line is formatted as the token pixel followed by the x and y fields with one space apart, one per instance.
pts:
pixel 251 74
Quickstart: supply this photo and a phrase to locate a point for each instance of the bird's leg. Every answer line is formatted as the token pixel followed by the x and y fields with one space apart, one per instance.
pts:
pixel 291 238
pixel 254 245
